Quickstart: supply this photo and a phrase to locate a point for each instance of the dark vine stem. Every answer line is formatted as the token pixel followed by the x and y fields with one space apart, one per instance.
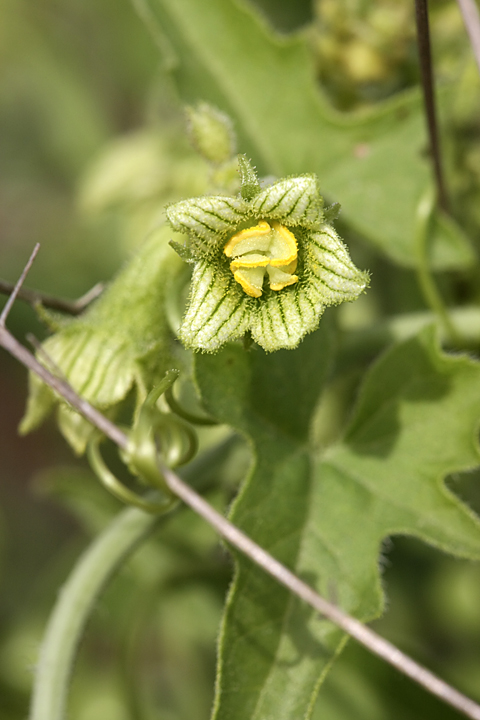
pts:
pixel 426 74
pixel 471 18
pixel 364 635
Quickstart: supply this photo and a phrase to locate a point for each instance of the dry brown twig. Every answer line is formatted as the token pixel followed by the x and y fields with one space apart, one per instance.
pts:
pixel 35 297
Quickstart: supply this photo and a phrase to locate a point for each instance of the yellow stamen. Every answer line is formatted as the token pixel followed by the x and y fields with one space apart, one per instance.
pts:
pixel 245 280
pixel 263 228
pixel 289 249
pixel 263 248
pixel 280 279
pixel 252 260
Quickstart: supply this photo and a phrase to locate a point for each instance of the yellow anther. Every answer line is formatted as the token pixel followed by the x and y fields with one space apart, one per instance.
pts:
pixel 280 279
pixel 285 247
pixel 251 260
pixel 250 280
pixel 263 228
pixel 263 248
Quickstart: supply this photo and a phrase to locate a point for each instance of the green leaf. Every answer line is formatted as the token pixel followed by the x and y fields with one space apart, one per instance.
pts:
pixel 373 163
pixel 326 517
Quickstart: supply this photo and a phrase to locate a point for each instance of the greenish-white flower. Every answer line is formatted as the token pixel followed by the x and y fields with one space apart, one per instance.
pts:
pixel 266 262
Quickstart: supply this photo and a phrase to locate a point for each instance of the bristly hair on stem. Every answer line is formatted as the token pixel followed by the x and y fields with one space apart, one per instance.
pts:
pixel 426 74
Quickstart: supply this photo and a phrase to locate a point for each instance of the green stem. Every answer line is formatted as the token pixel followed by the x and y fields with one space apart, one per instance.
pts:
pixel 425 279
pixel 75 603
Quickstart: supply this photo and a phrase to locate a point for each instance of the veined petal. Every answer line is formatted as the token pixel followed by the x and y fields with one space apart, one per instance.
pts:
pixel 284 319
pixel 332 276
pixel 207 217
pixel 100 367
pixel 293 201
pixel 218 311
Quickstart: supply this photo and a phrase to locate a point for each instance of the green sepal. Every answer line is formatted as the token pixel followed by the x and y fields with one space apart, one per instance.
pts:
pixel 182 251
pixel 52 319
pixel 331 212
pixel 248 178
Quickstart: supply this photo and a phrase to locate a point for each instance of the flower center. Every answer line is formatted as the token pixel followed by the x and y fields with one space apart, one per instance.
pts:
pixel 263 250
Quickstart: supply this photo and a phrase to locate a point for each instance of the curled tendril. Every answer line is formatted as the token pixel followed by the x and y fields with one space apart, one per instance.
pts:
pixel 154 436
pixel 177 408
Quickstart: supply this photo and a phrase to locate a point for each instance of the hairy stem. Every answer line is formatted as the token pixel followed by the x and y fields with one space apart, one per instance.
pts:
pixel 74 606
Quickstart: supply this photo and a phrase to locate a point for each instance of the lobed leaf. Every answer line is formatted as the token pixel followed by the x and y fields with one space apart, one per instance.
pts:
pixel 326 516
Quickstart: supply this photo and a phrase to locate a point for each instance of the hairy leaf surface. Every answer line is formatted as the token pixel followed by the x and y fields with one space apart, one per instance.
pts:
pixel 416 421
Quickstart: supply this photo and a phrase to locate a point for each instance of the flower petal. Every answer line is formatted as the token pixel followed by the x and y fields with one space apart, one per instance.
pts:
pixel 218 311
pixel 332 276
pixel 284 318
pixel 207 217
pixel 293 201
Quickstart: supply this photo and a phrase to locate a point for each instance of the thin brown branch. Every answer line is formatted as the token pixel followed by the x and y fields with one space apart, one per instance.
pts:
pixel 426 74
pixel 62 388
pixel 70 307
pixel 17 288
pixel 471 18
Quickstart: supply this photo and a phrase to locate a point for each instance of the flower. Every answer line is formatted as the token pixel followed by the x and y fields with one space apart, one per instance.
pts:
pixel 266 262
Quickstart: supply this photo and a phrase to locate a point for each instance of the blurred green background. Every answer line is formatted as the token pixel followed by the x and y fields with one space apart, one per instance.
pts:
pixel 91 146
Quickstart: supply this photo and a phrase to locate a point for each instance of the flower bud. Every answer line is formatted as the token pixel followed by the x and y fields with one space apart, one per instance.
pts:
pixel 211 133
